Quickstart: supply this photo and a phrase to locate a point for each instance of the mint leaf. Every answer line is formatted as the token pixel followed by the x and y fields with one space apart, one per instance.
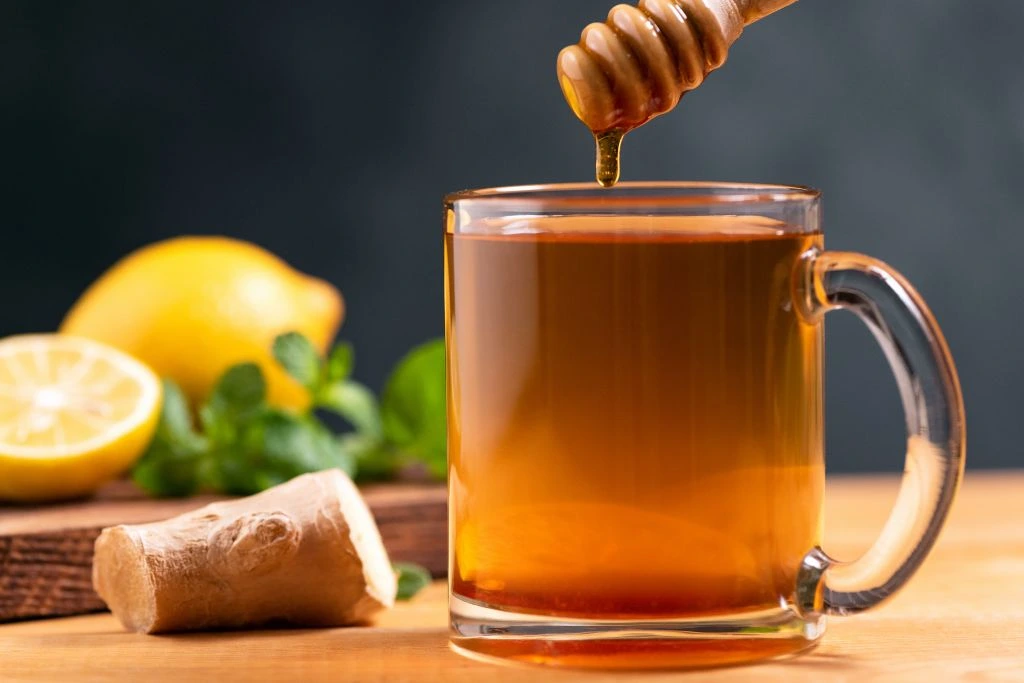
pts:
pixel 175 414
pixel 354 402
pixel 239 394
pixel 331 451
pixel 348 398
pixel 237 471
pixel 262 452
pixel 294 445
pixel 288 444
pixel 412 578
pixel 413 407
pixel 167 470
pixel 341 362
pixel 170 465
pixel 230 421
pixel 299 358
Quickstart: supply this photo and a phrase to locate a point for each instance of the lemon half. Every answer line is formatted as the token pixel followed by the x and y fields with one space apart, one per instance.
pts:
pixel 74 413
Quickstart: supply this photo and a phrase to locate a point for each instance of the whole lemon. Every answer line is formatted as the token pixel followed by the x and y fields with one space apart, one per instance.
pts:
pixel 190 307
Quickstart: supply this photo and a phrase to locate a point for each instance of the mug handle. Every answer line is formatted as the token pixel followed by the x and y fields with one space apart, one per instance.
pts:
pixel 930 391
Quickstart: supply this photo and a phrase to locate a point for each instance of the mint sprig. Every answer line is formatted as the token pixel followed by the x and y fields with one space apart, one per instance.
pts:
pixel 243 445
pixel 412 578
pixel 413 408
pixel 170 466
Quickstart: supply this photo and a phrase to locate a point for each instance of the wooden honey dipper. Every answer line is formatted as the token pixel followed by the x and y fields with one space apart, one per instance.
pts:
pixel 640 61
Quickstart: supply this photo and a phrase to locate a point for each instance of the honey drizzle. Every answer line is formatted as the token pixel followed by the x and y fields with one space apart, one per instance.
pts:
pixel 609 150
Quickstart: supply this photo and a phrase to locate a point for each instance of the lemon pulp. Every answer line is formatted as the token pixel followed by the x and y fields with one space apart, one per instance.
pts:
pixel 74 413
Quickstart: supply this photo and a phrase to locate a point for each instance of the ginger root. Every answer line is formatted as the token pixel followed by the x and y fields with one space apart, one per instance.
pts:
pixel 306 553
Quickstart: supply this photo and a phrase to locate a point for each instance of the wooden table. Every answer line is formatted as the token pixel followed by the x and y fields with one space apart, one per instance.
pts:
pixel 961 618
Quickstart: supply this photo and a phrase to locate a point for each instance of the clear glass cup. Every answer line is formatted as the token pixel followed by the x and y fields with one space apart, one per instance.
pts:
pixel 636 425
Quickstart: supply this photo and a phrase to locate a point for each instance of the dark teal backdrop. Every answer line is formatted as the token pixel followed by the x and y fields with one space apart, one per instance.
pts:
pixel 328 131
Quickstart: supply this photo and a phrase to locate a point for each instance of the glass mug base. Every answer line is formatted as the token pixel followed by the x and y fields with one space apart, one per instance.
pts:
pixel 501 636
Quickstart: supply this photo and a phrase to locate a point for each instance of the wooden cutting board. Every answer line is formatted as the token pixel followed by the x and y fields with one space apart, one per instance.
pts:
pixel 46 552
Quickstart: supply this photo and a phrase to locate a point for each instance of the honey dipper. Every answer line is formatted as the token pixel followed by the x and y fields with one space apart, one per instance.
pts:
pixel 640 61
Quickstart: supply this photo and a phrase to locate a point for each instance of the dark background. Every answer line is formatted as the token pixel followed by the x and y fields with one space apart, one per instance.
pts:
pixel 328 132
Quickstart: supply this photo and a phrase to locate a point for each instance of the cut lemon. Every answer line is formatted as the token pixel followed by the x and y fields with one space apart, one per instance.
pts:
pixel 74 414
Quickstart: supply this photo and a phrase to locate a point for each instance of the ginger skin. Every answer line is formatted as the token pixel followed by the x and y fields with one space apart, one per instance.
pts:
pixel 306 553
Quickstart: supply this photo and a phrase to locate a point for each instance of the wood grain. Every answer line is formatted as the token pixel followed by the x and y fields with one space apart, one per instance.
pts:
pixel 46 552
pixel 961 618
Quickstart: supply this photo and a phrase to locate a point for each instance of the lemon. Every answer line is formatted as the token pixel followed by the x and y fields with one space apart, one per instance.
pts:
pixel 73 414
pixel 191 307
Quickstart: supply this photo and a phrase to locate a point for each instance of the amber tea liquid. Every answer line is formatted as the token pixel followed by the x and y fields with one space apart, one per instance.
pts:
pixel 635 416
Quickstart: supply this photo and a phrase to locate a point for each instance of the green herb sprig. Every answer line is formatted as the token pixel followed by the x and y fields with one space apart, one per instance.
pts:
pixel 412 578
pixel 242 445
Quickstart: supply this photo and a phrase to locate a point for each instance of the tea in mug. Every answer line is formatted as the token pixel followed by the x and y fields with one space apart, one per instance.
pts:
pixel 635 416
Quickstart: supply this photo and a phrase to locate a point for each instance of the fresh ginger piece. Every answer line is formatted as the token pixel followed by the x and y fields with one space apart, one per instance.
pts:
pixel 306 552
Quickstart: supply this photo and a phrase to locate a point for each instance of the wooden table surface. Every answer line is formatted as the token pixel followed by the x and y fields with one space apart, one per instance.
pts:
pixel 961 618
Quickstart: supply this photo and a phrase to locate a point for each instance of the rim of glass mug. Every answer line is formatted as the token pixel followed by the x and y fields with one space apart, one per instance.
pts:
pixel 795 207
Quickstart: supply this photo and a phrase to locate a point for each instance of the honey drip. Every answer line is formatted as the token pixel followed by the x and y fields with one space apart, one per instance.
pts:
pixel 609 145
pixel 641 60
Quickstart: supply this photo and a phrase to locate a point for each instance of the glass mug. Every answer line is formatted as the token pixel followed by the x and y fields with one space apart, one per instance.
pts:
pixel 635 423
